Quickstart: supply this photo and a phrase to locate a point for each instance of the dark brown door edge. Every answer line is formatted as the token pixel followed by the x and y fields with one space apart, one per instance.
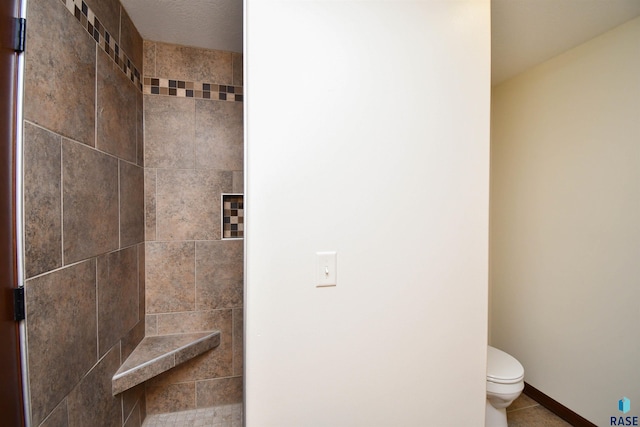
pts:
pixel 11 404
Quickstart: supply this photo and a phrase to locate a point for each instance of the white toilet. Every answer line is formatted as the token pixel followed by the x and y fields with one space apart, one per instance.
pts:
pixel 505 381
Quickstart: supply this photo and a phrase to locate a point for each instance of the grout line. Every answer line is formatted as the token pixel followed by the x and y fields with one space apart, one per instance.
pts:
pixel 120 27
pixel 138 282
pixel 124 417
pixel 82 144
pixel 195 276
pixel 155 213
pixel 195 144
pixel 97 316
pixel 233 340
pixel 95 102
pixel 120 58
pixel 61 202
pixel 119 207
pixel 155 59
pixel 524 407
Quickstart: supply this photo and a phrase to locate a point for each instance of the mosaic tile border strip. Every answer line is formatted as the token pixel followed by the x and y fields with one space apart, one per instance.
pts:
pixel 107 43
pixel 232 216
pixel 200 90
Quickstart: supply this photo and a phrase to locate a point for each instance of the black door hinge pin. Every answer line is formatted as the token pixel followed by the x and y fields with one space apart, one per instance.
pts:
pixel 19 34
pixel 18 304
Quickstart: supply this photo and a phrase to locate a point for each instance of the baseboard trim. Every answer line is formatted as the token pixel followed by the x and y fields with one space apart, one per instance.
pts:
pixel 557 408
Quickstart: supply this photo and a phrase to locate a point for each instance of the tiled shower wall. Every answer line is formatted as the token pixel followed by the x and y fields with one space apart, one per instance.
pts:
pixel 84 211
pixel 193 153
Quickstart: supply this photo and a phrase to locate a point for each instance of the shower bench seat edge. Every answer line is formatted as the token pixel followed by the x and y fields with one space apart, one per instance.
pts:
pixel 157 354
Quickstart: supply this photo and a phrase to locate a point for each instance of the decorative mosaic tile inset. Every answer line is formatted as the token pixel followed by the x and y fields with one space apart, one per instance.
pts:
pixel 232 216
pixel 92 25
pixel 184 89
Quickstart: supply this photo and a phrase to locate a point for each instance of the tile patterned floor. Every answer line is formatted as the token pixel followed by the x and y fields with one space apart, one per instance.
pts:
pixel 218 416
pixel 526 412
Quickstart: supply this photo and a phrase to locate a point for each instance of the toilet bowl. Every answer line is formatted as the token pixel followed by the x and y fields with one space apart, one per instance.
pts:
pixel 505 382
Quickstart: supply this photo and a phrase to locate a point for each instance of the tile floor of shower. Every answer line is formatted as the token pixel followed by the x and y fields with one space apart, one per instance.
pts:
pixel 524 412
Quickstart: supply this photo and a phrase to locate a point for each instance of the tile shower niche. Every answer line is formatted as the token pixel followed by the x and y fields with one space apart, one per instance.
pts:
pixel 232 216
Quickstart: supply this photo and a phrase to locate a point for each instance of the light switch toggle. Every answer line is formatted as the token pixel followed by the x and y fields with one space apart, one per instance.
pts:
pixel 327 269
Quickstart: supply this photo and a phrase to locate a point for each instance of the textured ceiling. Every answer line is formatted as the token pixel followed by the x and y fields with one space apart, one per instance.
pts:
pixel 211 24
pixel 524 32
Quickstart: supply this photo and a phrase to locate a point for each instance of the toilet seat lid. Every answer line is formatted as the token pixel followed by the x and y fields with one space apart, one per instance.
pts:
pixel 502 367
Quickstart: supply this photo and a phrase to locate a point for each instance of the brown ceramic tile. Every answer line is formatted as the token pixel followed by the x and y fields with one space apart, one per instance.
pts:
pixel 117 109
pixel 187 205
pixel 130 40
pixel 187 321
pixel 131 204
pixel 42 200
pixel 219 135
pixel 157 354
pixel 150 180
pixel 212 364
pixel 150 59
pixel 151 325
pixel 57 418
pixel 197 348
pixel 137 376
pixel 131 339
pixel 169 125
pixel 108 12
pixel 522 402
pixel 193 64
pixel 90 188
pixel 117 296
pixel 140 129
pixel 91 402
pixel 61 329
pixel 134 419
pixel 237 69
pixel 238 182
pixel 143 407
pixel 142 274
pixel 225 253
pixel 238 341
pixel 60 72
pixel 156 348
pixel 171 398
pixel 222 415
pixel 536 416
pixel 170 276
pixel 219 391
pixel 219 274
pixel 182 346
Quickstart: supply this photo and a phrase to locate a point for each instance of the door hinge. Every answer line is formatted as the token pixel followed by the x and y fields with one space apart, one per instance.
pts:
pixel 19 34
pixel 18 304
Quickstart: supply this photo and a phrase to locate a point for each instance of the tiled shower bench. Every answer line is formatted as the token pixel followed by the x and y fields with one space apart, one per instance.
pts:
pixel 157 354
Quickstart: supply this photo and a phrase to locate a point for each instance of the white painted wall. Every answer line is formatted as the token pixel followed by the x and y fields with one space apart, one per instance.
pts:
pixel 565 224
pixel 367 133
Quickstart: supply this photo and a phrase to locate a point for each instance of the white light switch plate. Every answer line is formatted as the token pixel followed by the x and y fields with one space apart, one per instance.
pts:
pixel 327 269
